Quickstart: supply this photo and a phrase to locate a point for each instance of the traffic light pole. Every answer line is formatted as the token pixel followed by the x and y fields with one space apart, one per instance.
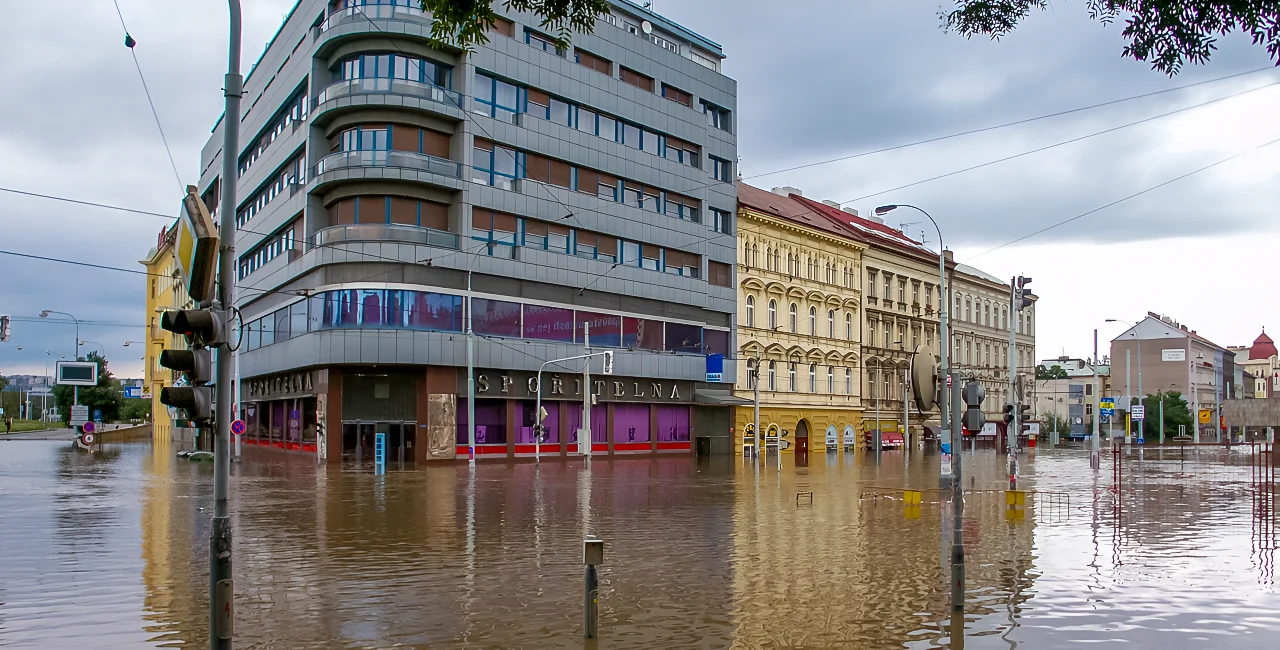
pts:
pixel 221 612
pixel 1011 436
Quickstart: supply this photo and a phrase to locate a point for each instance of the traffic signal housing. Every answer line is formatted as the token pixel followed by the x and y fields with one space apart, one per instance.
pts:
pixel 201 327
pixel 1024 300
pixel 196 398
pixel 1008 414
pixel 973 418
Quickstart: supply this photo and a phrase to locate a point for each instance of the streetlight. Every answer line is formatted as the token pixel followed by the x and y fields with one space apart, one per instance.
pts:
pixel 1133 330
pixel 102 349
pixel 75 353
pixel 944 341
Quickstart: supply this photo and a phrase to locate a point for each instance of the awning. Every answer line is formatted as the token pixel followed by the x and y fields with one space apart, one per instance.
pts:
pixel 719 398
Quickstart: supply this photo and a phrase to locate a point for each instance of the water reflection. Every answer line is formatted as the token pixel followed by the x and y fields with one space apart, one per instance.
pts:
pixel 698 554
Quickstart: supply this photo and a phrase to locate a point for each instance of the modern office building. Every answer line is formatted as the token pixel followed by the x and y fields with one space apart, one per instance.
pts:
pixel 380 175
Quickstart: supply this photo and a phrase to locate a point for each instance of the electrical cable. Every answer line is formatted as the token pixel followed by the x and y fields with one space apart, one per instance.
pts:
pixel 1126 198
pixel 130 43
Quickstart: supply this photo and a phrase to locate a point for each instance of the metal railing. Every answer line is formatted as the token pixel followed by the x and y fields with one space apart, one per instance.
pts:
pixel 364 13
pixel 384 232
pixel 400 159
pixel 404 87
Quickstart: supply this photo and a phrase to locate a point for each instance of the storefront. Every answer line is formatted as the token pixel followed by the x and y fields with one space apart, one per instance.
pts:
pixel 280 411
pixel 630 415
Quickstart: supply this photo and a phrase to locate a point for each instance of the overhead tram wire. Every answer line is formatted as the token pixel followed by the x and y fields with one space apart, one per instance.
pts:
pixel 130 43
pixel 1064 142
pixel 1131 196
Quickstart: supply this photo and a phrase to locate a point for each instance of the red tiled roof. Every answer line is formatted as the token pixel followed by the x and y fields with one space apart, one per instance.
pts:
pixel 868 229
pixel 791 209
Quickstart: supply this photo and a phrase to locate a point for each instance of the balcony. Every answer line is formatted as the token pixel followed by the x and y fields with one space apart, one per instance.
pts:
pixel 382 232
pixel 429 93
pixel 368 13
pixel 397 159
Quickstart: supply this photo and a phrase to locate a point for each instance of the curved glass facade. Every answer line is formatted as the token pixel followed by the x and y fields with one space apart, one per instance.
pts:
pixel 442 312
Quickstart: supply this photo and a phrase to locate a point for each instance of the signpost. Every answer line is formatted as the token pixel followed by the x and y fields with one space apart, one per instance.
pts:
pixel 1139 412
pixel 133 392
pixel 1107 407
pixel 79 415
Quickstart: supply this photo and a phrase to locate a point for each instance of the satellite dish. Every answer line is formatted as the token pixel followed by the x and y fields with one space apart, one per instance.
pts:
pixel 924 379
pixel 646 27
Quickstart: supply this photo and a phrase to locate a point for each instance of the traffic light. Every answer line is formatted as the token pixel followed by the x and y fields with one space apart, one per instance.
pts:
pixel 196 398
pixel 972 419
pixel 1023 292
pixel 1024 412
pixel 202 327
pixel 1008 414
pixel 4 328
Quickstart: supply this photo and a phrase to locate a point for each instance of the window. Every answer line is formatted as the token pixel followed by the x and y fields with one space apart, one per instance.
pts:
pixel 794 309
pixel 888 287
pixel 871 283
pixel 831 323
pixel 493 165
pixel 968 310
pixel 496 98
pixel 831 379
pixel 813 321
pixel 676 95
pixel 682 207
pixel 928 295
pixel 720 224
pixel 915 337
pixel 773 375
pixel 915 293
pixel 773 314
pixel 541 42
pixel 599 64
pixel 716 116
pixel 791 376
pixel 751 311
pixel 986 353
pixel 636 79
pixel 1004 318
pixel 813 378
pixel 848 326
pixel 395 66
pixel 720 170
pixel 504 27
pixel 680 151
pixel 718 273
pixel 902 290
pixel 928 337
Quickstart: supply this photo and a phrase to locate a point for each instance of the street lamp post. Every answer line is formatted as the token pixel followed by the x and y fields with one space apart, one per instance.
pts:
pixel 102 349
pixel 944 341
pixel 75 352
pixel 1141 428
pixel 471 364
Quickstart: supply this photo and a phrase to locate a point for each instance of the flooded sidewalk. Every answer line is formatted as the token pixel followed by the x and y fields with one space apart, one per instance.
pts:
pixel 111 549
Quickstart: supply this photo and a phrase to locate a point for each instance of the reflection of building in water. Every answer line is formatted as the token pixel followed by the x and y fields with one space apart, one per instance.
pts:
pixel 172 540
pixel 847 572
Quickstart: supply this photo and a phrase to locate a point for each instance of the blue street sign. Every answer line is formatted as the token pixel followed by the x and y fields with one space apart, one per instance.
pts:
pixel 715 368
pixel 97 415
pixel 237 427
pixel 380 453
pixel 132 392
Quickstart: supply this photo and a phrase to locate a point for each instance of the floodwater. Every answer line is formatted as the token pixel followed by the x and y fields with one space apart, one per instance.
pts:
pixel 110 551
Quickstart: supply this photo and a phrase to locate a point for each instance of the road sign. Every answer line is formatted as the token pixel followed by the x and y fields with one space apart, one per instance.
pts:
pixel 1107 407
pixel 88 427
pixel 97 415
pixel 79 415
pixel 238 427
pixel 77 373
pixel 133 392
pixel 1206 416
pixel 87 438
pixel 1138 412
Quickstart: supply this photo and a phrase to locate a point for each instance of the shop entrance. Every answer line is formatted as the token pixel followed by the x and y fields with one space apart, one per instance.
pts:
pixel 358 442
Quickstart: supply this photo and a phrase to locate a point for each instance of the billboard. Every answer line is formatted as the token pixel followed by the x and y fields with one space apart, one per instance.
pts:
pixel 77 373
pixel 1173 355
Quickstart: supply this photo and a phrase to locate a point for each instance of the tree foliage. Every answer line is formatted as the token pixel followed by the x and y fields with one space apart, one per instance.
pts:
pixel 466 23
pixel 1176 412
pixel 1166 33
pixel 1053 422
pixel 105 396
pixel 1056 372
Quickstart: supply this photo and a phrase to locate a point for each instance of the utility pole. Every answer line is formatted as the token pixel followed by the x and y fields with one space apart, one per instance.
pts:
pixel 1011 434
pixel 585 431
pixel 906 414
pixel 221 590
pixel 1095 455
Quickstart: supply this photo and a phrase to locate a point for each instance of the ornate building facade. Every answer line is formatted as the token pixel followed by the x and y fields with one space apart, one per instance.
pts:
pixel 799 319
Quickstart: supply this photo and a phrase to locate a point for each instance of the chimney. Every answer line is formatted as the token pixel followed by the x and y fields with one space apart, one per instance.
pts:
pixel 852 211
pixel 831 203
pixel 787 189
pixel 951 257
pixel 874 218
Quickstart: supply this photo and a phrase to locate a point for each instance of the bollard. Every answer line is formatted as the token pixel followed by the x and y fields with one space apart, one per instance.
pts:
pixel 592 556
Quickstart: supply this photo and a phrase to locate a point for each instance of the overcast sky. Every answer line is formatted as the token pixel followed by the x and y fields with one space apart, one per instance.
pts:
pixel 817 80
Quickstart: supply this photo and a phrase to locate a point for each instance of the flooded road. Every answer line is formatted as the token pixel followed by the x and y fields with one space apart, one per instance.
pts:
pixel 110 551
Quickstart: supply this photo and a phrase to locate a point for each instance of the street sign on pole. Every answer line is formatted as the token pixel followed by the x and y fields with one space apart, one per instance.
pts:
pixel 1138 413
pixel 238 427
pixel 1107 407
pixel 79 415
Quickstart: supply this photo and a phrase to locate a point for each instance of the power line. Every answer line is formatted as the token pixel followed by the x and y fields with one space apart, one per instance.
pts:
pixel 77 263
pixel 1131 196
pixel 1064 142
pixel 130 43
pixel 88 203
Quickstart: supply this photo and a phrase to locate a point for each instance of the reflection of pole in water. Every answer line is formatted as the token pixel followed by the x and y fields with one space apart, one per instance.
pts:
pixel 469 578
pixel 584 498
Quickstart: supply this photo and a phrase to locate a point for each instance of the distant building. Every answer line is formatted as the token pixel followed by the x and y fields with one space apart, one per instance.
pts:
pixel 1074 396
pixel 1158 354
pixel 1262 363
pixel 980 321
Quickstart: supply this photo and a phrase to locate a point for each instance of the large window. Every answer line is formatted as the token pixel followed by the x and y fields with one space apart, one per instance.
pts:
pixel 721 170
pixel 716 116
pixel 494 165
pixel 496 98
pixel 751 311
pixel 848 326
pixel 773 314
pixel 791 376
pixel 720 223
pixel 813 321
pixel 291 114
pixel 773 375
pixel 813 378
pixel 389 209
pixel 831 323
pixel 793 313
pixel 395 66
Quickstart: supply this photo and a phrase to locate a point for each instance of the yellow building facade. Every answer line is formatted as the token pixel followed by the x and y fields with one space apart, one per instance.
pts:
pixel 165 292
pixel 799 316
